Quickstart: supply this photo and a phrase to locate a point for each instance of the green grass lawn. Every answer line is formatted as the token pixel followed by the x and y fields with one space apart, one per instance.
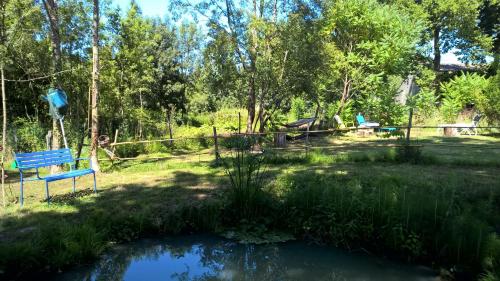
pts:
pixel 137 198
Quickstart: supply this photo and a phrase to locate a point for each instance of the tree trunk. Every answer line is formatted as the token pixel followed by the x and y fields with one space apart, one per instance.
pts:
pixel 345 95
pixel 95 88
pixel 262 121
pixel 52 14
pixel 251 99
pixel 437 50
pixel 169 126
pixel 4 133
pixel 251 105
pixel 275 11
pixel 140 117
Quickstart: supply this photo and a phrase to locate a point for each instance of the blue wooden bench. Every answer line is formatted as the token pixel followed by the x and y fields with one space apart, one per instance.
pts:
pixel 35 160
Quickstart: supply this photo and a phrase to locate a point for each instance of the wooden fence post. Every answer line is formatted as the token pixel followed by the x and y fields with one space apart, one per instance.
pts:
pixel 239 123
pixel 408 130
pixel 216 144
pixel 116 136
pixel 307 139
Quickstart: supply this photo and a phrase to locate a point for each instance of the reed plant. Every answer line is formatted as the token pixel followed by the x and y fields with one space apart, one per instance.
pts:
pixel 245 170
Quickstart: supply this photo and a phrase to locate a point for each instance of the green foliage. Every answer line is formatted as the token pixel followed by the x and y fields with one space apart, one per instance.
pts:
pixel 413 218
pixel 461 91
pixel 298 109
pixel 246 195
pixel 457 23
pixel 491 261
pixel 379 103
pixel 409 153
pixel 29 135
pixel 491 104
pixel 361 61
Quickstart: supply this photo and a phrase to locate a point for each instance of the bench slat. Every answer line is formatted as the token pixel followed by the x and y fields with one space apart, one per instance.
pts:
pixel 39 153
pixel 43 158
pixel 46 159
pixel 68 175
pixel 44 163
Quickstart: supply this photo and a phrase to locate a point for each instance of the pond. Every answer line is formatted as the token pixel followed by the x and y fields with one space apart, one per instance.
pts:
pixel 204 257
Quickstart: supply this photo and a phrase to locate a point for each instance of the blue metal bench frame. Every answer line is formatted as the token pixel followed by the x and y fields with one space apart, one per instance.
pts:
pixel 35 160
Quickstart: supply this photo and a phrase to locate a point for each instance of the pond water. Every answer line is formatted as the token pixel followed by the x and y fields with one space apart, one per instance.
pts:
pixel 202 257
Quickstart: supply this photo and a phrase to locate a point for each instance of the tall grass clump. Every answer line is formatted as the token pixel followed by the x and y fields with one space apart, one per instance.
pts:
pixel 491 261
pixel 418 221
pixel 245 171
pixel 409 153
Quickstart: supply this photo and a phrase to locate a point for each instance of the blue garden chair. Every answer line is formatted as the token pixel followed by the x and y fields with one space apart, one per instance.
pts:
pixel 368 124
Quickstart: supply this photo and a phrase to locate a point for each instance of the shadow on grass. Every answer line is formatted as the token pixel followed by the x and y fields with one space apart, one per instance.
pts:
pixel 77 227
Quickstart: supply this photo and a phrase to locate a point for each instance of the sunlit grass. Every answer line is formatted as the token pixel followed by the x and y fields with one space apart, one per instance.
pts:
pixel 175 194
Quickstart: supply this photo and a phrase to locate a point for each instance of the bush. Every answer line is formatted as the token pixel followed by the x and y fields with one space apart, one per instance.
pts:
pixel 298 109
pixel 245 174
pixel 379 103
pixel 461 91
pixel 491 106
pixel 28 135
pixel 412 219
pixel 409 153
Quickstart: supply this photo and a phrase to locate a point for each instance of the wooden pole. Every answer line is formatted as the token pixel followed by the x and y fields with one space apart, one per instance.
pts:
pixel 94 129
pixel 239 122
pixel 4 133
pixel 80 145
pixel 116 138
pixel 408 130
pixel 113 156
pixel 89 110
pixel 216 144
pixel 307 139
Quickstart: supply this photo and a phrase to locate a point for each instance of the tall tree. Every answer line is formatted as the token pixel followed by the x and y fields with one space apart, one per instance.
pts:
pixel 358 54
pixel 4 132
pixel 169 87
pixel 251 28
pixel 51 9
pixel 3 40
pixel 15 20
pixel 95 87
pixel 490 24
pixel 454 25
pixel 133 58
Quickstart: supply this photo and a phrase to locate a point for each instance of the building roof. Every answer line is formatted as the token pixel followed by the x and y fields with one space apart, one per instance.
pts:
pixel 457 67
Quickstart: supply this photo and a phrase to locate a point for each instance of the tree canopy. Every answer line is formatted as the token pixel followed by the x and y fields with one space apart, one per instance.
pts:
pixel 268 57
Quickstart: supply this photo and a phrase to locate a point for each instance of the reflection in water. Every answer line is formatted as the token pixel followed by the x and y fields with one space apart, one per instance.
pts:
pixel 212 258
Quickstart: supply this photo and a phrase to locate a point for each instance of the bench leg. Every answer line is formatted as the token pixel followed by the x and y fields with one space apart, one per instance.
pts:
pixel 47 192
pixel 95 186
pixel 74 185
pixel 21 198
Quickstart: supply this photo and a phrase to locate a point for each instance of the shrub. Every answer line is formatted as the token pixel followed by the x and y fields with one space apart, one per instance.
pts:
pixel 409 153
pixel 414 219
pixel 246 198
pixel 460 91
pixel 491 106
pixel 28 135
pixel 298 109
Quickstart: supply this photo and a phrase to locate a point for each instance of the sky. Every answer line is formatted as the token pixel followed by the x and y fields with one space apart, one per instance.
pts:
pixel 149 8
pixel 159 8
